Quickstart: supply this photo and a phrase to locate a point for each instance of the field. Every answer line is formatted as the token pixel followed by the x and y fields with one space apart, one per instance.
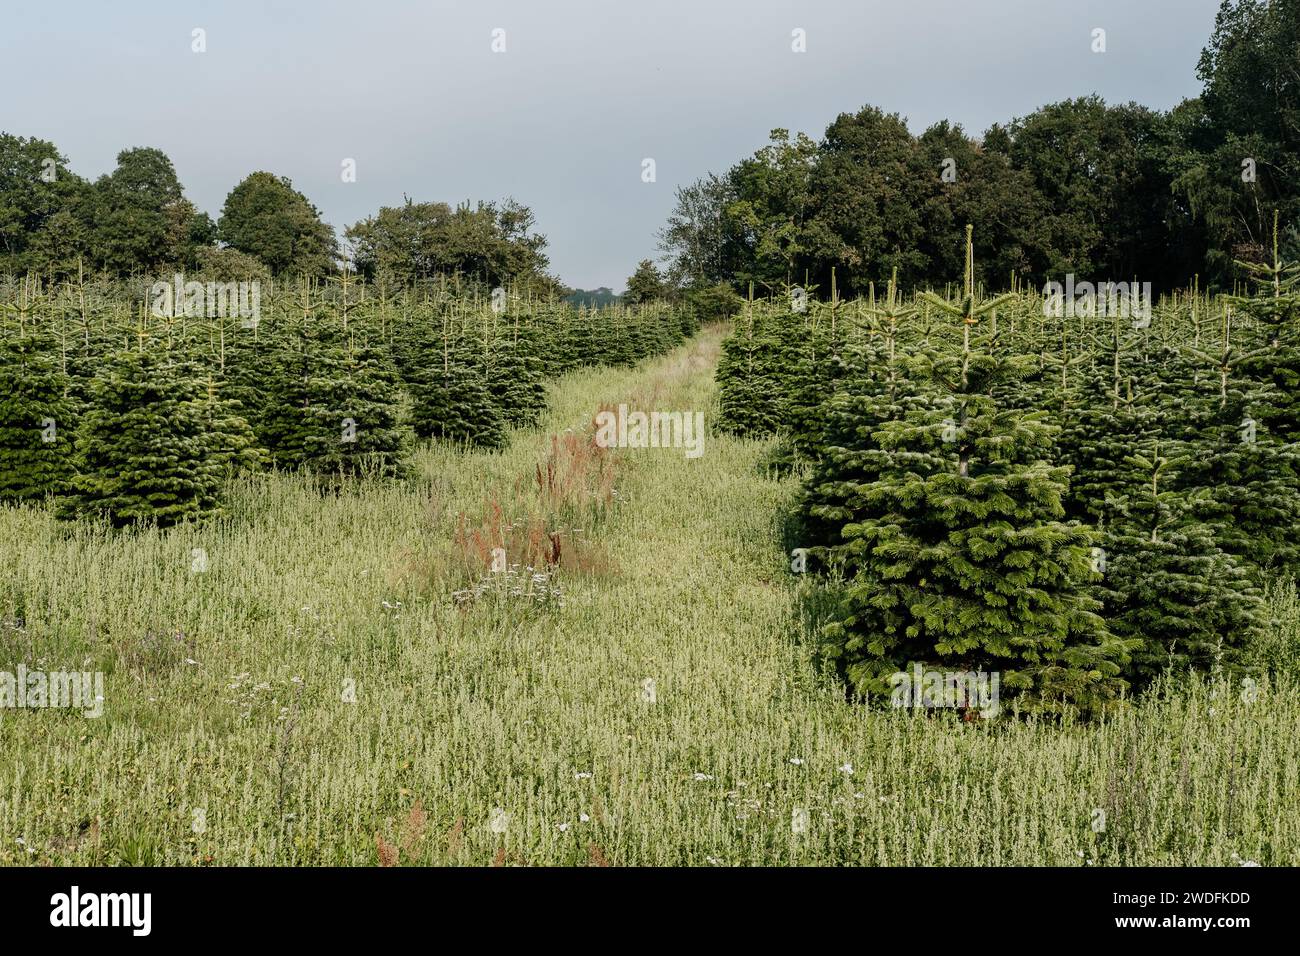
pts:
pixel 316 693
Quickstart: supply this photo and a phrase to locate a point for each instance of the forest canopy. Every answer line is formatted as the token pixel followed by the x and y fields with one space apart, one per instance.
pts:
pixel 1081 186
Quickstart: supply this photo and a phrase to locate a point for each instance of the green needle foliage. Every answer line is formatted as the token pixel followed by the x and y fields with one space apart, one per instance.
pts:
pixel 143 454
pixel 451 397
pixel 37 418
pixel 515 374
pixel 1167 585
pixel 1277 310
pixel 334 378
pixel 1077 498
pixel 232 442
pixel 955 551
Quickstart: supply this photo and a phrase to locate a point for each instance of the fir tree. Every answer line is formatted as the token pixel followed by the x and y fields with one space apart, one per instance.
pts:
pixel 332 395
pixel 350 421
pixel 954 549
pixel 1250 473
pixel 142 450
pixel 755 370
pixel 232 445
pixel 451 399
pixel 1166 584
pixel 1277 309
pixel 514 373
pixel 37 417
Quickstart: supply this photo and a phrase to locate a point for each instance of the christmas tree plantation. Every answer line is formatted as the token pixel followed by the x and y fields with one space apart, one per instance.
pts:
pixel 1080 499
pixel 140 413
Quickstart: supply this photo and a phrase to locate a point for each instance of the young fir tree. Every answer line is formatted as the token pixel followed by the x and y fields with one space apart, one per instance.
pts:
pixel 557 341
pixel 288 354
pixel 143 454
pixel 351 421
pixel 450 397
pixel 332 394
pixel 1251 474
pixel 1277 309
pixel 373 440
pixel 247 350
pixel 819 364
pixel 756 372
pixel 514 372
pixel 232 445
pixel 662 328
pixel 882 369
pixel 955 550
pixel 581 339
pixel 37 417
pixel 1166 584
pixel 646 333
pixel 850 462
pixel 617 345
pixel 1105 415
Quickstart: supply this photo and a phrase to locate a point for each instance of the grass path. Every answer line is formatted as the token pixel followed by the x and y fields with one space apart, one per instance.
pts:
pixel 227 739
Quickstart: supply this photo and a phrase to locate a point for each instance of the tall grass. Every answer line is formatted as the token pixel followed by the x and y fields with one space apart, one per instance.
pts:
pixel 502 732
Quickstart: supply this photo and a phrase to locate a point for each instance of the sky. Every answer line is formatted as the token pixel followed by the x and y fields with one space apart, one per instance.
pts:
pixel 564 117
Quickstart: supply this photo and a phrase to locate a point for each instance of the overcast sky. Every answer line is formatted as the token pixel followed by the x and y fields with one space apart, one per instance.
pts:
pixel 561 121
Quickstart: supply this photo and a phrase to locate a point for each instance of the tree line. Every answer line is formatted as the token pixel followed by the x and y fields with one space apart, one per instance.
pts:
pixel 1106 191
pixel 137 221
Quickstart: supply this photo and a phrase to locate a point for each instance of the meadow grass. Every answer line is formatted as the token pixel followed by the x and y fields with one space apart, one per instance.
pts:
pixel 506 730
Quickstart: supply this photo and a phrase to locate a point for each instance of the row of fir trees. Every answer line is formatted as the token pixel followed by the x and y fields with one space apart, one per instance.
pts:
pixel 1077 498
pixel 134 409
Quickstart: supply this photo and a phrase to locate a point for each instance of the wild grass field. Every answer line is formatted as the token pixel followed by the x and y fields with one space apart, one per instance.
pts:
pixel 320 695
